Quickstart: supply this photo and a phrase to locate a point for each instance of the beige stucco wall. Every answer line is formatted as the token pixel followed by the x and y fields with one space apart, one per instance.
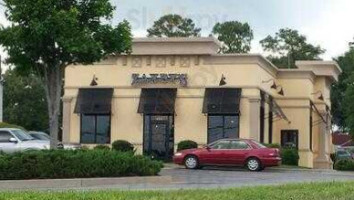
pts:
pixel 248 72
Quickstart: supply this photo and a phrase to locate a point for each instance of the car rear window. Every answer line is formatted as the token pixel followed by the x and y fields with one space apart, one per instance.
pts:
pixel 259 145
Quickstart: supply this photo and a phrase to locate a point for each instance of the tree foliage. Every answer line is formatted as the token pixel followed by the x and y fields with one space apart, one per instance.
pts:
pixel 289 45
pixel 46 36
pixel 235 36
pixel 173 25
pixel 24 101
pixel 339 90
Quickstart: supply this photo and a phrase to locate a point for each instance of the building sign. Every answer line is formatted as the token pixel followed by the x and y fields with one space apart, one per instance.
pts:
pixel 142 79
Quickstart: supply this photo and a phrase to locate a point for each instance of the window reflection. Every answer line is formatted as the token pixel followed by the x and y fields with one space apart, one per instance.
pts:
pixel 95 129
pixel 222 126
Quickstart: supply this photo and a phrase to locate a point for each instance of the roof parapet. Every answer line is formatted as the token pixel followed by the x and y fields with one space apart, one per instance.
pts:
pixel 175 46
pixel 321 68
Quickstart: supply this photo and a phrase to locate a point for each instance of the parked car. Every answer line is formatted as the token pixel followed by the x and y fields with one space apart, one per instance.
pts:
pixel 343 154
pixel 45 137
pixel 232 152
pixel 14 140
pixel 350 149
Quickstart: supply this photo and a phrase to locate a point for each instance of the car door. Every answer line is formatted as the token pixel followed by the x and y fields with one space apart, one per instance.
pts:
pixel 238 152
pixel 5 145
pixel 215 154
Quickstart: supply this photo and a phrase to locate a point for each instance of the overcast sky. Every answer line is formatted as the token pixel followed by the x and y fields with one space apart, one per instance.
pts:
pixel 328 23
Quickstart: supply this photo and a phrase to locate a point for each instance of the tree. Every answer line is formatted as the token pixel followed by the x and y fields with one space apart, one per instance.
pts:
pixel 173 26
pixel 235 36
pixel 288 46
pixel 46 36
pixel 338 89
pixel 24 101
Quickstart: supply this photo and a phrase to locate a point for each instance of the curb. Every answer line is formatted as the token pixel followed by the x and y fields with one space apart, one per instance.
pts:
pixel 82 182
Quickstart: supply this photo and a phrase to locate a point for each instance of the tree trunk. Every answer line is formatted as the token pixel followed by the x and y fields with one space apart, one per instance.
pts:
pixel 53 89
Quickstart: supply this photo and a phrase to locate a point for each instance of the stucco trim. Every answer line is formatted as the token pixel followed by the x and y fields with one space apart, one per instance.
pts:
pixel 296 74
pixel 232 59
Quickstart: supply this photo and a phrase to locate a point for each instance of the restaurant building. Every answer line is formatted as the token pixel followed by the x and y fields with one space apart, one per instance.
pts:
pixel 173 89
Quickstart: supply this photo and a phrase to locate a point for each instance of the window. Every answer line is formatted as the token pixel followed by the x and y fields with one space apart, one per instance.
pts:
pixel 236 144
pixel 222 126
pixel 22 135
pixel 220 145
pixel 311 125
pixel 259 145
pixel 262 117
pixel 95 129
pixel 289 138
pixel 5 136
pixel 270 121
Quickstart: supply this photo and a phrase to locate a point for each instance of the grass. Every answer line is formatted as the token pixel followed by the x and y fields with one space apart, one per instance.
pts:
pixel 313 191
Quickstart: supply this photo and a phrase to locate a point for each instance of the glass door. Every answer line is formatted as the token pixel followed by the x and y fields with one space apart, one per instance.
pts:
pixel 158 136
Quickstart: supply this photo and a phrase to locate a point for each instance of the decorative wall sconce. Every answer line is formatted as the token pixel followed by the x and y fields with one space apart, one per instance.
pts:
pixel 281 91
pixel 94 81
pixel 275 86
pixel 222 80
pixel 320 97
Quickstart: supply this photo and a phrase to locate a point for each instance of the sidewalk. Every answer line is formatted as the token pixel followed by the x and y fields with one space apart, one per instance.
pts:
pixel 81 183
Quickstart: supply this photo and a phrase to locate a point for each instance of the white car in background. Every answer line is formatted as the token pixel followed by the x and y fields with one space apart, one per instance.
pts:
pixel 15 140
pixel 45 137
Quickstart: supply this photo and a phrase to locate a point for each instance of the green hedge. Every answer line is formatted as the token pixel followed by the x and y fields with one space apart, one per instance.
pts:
pixel 7 125
pixel 344 165
pixel 102 147
pixel 122 146
pixel 289 156
pixel 186 144
pixel 75 164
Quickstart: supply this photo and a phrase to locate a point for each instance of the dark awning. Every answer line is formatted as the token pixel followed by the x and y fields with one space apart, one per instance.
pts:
pixel 222 100
pixel 94 101
pixel 157 101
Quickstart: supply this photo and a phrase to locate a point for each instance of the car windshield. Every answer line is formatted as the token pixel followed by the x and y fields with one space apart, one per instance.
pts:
pixel 40 136
pixel 260 145
pixel 21 135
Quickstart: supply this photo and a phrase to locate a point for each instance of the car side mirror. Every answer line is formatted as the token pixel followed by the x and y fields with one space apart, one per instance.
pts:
pixel 207 147
pixel 14 140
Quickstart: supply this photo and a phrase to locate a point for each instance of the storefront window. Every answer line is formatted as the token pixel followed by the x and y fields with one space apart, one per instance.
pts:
pixel 221 126
pixel 95 129
pixel 289 138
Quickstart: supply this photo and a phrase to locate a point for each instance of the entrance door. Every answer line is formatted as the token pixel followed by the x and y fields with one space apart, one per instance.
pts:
pixel 158 136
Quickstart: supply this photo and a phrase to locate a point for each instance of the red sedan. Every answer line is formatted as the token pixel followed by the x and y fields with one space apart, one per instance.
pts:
pixel 232 152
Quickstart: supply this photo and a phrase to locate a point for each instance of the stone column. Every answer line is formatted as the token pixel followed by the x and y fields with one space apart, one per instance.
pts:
pixel 66 119
pixel 322 160
pixel 254 114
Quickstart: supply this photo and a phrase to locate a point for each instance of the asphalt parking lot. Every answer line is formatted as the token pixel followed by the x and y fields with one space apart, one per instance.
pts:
pixel 237 177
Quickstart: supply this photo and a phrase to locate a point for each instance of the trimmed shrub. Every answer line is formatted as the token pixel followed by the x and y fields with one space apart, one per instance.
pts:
pixel 75 164
pixel 186 144
pixel 102 147
pixel 344 165
pixel 289 156
pixel 122 146
pixel 7 125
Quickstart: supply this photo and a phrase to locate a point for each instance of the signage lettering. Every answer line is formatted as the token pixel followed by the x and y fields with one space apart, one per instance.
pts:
pixel 180 79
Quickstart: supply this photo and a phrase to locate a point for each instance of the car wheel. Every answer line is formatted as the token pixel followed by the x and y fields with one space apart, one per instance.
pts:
pixel 191 162
pixel 253 164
